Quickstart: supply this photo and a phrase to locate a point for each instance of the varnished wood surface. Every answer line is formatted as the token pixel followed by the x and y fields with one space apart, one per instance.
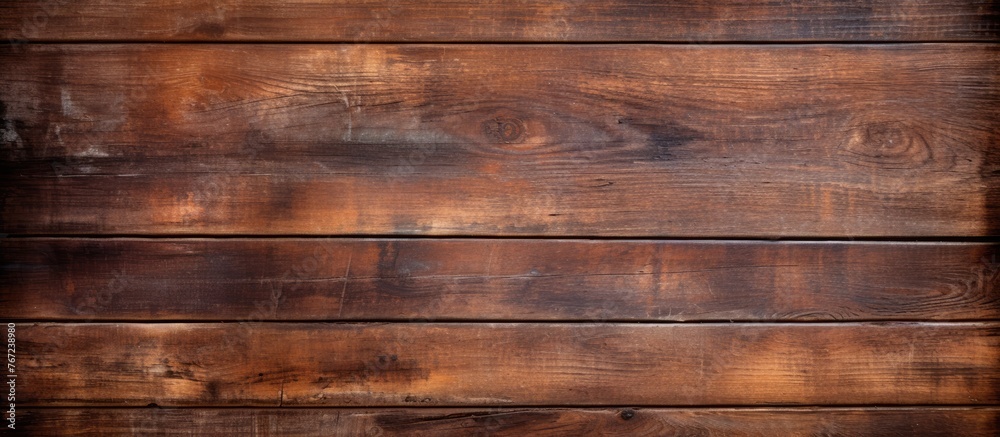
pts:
pixel 500 20
pixel 556 140
pixel 658 422
pixel 487 279
pixel 496 364
pixel 157 194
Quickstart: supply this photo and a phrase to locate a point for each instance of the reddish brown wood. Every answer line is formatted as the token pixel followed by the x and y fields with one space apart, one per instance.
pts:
pixel 841 137
pixel 496 364
pixel 485 21
pixel 517 422
pixel 554 140
pixel 429 279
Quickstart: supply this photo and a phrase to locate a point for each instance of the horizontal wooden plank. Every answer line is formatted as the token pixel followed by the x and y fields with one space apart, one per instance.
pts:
pixel 546 20
pixel 503 140
pixel 640 141
pixel 459 279
pixel 406 364
pixel 498 422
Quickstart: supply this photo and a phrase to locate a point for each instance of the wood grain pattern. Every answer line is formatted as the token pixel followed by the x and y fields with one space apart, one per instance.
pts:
pixel 499 20
pixel 590 140
pixel 486 364
pixel 160 196
pixel 499 422
pixel 430 279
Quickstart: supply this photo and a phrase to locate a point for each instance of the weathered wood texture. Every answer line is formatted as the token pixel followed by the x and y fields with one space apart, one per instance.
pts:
pixel 763 141
pixel 487 364
pixel 470 20
pixel 104 133
pixel 499 422
pixel 420 280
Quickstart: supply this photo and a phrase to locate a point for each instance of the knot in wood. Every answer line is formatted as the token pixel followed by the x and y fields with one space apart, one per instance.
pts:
pixel 505 130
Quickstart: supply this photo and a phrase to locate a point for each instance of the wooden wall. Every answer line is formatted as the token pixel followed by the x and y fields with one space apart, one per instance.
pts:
pixel 501 218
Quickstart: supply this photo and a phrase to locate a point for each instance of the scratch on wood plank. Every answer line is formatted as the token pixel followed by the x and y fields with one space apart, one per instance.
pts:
pixel 281 393
pixel 489 261
pixel 343 290
pixel 347 110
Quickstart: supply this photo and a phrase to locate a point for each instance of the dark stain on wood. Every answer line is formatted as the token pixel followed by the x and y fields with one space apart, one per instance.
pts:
pixel 212 391
pixel 665 138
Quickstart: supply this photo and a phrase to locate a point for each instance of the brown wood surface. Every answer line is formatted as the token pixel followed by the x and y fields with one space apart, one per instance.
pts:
pixel 498 422
pixel 557 140
pixel 431 279
pixel 160 196
pixel 497 364
pixel 498 20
